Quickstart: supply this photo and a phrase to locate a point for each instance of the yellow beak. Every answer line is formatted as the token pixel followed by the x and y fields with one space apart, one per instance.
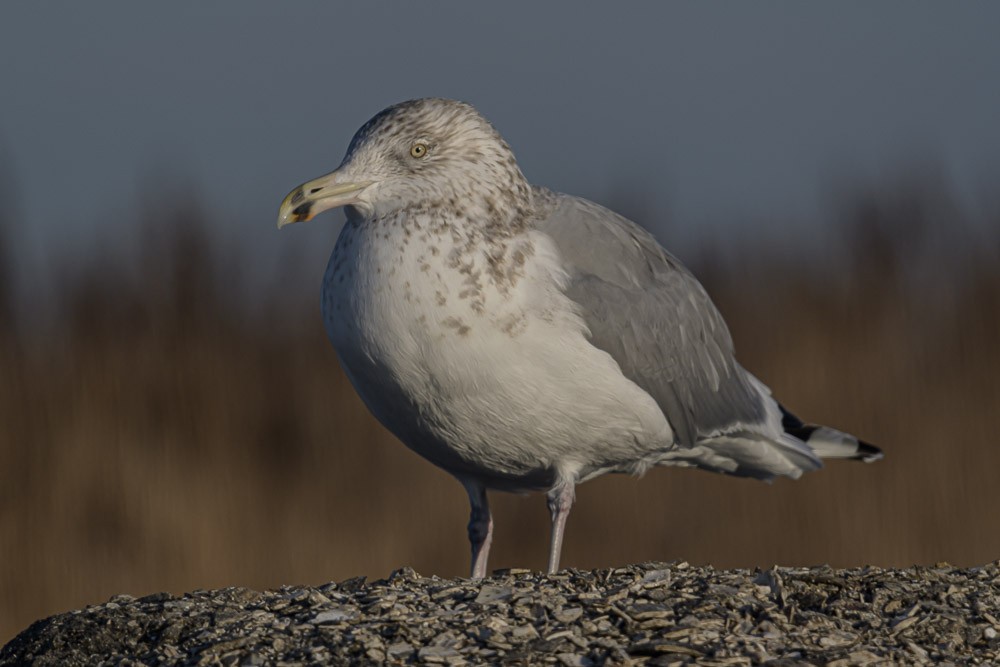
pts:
pixel 326 192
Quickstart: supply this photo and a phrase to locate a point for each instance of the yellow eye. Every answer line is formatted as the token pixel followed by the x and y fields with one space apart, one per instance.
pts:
pixel 418 150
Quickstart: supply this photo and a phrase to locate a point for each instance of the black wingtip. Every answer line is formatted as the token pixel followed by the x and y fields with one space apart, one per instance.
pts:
pixel 788 420
pixel 869 453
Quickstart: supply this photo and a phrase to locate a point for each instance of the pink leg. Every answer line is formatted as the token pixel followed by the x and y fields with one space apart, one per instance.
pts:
pixel 480 528
pixel 560 501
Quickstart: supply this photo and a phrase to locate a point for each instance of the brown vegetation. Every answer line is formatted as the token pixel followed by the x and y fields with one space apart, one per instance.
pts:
pixel 159 436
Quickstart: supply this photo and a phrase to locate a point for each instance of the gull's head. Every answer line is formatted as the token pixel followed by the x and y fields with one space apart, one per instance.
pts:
pixel 418 154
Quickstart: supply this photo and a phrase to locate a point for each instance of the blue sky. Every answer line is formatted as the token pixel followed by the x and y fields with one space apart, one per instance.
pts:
pixel 711 117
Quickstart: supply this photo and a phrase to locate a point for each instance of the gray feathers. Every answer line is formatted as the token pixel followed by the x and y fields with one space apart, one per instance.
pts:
pixel 655 319
pixel 523 339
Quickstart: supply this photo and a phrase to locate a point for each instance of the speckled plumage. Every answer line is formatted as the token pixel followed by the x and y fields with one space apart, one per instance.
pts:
pixel 523 339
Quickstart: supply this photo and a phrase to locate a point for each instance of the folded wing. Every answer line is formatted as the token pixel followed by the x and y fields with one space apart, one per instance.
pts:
pixel 646 310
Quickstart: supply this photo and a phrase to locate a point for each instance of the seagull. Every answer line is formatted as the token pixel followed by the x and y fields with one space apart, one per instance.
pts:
pixel 527 340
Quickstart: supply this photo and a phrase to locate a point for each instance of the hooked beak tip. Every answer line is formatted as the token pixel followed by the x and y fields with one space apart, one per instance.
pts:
pixel 295 208
pixel 309 199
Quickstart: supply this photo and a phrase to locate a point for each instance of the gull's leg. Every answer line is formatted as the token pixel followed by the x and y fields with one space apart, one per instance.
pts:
pixel 480 527
pixel 560 501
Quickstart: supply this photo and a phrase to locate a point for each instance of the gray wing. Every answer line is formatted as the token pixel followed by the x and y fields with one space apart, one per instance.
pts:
pixel 646 310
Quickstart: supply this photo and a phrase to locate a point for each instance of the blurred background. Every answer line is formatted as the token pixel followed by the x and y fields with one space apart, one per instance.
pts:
pixel 172 416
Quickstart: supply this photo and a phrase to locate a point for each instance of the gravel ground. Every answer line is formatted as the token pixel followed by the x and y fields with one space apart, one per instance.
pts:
pixel 649 614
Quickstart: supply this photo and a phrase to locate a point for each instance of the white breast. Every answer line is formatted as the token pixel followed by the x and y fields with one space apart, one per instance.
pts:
pixel 470 353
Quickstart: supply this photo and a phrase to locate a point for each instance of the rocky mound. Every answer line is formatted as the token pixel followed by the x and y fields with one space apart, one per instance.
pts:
pixel 652 614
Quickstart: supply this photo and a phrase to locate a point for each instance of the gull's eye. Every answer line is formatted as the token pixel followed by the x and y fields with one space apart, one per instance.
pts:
pixel 418 150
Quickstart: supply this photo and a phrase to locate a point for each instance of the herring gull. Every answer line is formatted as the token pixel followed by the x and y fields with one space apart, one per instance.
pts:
pixel 527 340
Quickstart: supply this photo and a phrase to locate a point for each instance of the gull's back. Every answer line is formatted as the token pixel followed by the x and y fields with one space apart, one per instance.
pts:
pixel 646 310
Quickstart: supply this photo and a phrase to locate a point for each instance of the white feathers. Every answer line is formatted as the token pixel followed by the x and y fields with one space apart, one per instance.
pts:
pixel 522 339
pixel 510 334
pixel 479 362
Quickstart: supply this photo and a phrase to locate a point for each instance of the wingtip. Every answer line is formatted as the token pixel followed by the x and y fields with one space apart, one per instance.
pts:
pixel 869 453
